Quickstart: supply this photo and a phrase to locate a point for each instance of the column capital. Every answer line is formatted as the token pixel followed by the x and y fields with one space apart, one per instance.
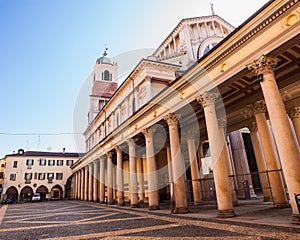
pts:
pixel 148 132
pixel 172 118
pixel 131 142
pixel 259 107
pixel 207 99
pixel 263 65
pixel 118 149
pixel 109 155
pixel 294 112
pixel 252 127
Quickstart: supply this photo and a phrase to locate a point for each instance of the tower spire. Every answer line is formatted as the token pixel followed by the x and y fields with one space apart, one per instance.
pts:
pixel 212 9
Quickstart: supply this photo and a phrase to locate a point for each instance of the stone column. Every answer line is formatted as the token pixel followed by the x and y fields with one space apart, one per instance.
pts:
pixel 216 144
pixel 76 185
pixel 194 167
pixel 294 114
pixel 95 181
pixel 140 178
pixel 134 200
pixel 287 147
pixel 241 164
pixel 272 162
pixel 86 181
pixel 109 185
pixel 170 173
pixel 225 154
pixel 90 188
pixel 152 169
pixel 120 178
pixel 102 180
pixel 177 164
pixel 260 161
pixel 82 184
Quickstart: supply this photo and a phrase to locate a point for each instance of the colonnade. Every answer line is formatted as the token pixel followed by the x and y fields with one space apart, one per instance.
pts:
pixel 92 182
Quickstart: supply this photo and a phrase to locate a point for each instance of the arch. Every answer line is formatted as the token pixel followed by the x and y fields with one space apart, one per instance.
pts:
pixel 26 193
pixel 12 192
pixel 68 188
pixel 56 192
pixel 206 45
pixel 106 75
pixel 43 191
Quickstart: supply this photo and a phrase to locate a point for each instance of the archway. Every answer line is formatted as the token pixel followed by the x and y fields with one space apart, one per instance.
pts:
pixel 57 192
pixel 12 192
pixel 43 191
pixel 68 188
pixel 26 194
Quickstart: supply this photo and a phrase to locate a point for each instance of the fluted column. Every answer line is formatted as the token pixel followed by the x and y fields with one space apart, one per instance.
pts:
pixel 152 169
pixel 177 164
pixel 110 199
pixel 272 162
pixel 216 144
pixel 102 180
pixel 95 181
pixel 120 177
pixel 260 161
pixel 194 167
pixel 134 200
pixel 90 187
pixel 86 181
pixel 294 114
pixel 287 147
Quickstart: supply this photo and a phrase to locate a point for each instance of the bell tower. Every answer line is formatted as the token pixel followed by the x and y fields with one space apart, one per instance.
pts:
pixel 105 83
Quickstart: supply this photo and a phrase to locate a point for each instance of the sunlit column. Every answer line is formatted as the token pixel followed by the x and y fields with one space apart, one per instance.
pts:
pixel 86 181
pixel 152 169
pixel 140 178
pixel 177 164
pixel 90 184
pixel 272 162
pixel 294 114
pixel 120 177
pixel 95 180
pixel 134 200
pixel 216 144
pixel 194 167
pixel 287 147
pixel 110 199
pixel 102 180
pixel 82 184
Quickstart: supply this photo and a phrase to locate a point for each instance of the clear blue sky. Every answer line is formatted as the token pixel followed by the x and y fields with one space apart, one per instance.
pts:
pixel 48 48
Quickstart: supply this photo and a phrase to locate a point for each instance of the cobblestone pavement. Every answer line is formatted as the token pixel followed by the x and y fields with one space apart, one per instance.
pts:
pixel 86 220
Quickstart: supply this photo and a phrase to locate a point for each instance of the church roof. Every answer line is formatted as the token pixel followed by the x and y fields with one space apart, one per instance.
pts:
pixel 104 59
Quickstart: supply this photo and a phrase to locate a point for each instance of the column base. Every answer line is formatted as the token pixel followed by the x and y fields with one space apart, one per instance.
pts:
pixel 121 204
pixel 226 213
pixel 134 205
pixel 110 203
pixel 101 202
pixel 181 210
pixel 281 205
pixel 235 204
pixel 197 203
pixel 267 199
pixel 154 207
pixel 296 219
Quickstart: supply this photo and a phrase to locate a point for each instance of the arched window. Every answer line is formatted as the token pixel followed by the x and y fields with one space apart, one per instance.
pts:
pixel 106 76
